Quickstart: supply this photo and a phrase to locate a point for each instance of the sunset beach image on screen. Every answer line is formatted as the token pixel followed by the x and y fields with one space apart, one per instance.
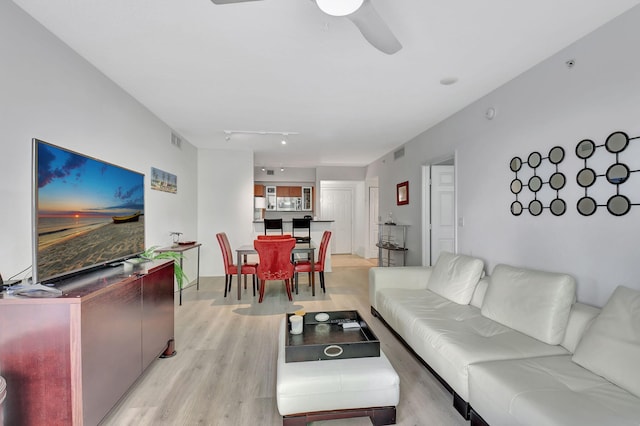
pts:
pixel 88 212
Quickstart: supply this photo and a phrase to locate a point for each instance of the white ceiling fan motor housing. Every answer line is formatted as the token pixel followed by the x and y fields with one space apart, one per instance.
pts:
pixel 339 7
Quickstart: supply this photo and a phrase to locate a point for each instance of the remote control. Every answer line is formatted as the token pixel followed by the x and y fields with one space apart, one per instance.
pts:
pixel 350 325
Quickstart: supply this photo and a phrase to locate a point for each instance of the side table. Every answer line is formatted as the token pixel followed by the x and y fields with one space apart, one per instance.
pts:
pixel 181 248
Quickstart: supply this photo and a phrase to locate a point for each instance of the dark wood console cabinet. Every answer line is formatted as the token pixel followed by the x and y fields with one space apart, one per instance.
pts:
pixel 67 360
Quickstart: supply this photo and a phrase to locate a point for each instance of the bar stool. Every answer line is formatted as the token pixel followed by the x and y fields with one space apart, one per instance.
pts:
pixel 272 225
pixel 301 224
pixel 304 235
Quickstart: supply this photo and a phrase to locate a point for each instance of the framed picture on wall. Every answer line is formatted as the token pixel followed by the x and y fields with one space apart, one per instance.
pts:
pixel 402 193
pixel 163 181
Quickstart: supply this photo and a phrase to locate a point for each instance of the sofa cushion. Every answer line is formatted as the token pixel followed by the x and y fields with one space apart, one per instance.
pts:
pixel 536 303
pixel 449 336
pixel 611 347
pixel 455 276
pixel 580 320
pixel 549 391
pixel 479 293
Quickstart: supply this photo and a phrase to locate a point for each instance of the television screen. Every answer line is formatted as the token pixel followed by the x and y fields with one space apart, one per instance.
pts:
pixel 86 213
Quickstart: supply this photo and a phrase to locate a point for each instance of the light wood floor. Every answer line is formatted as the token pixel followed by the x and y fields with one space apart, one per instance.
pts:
pixel 224 372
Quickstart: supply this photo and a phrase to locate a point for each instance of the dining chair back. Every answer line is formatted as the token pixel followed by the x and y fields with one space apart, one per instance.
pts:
pixel 273 225
pixel 305 266
pixel 230 268
pixel 275 262
pixel 274 237
pixel 303 226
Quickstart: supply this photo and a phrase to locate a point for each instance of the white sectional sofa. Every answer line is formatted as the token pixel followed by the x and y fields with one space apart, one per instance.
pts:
pixel 504 345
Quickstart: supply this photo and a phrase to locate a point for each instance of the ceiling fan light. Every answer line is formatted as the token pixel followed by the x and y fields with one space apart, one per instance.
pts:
pixel 339 7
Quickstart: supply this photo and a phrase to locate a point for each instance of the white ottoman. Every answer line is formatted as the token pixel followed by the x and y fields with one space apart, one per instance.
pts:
pixel 334 389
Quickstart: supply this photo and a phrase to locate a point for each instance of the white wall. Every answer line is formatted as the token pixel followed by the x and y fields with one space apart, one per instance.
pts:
pixel 290 174
pixel 339 173
pixel 225 204
pixel 547 106
pixel 49 92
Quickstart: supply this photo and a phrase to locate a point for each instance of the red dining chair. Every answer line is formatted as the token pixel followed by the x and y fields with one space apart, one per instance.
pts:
pixel 275 263
pixel 230 268
pixel 305 266
pixel 275 237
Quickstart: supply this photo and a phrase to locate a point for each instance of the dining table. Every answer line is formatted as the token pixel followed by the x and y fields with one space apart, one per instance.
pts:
pixel 308 248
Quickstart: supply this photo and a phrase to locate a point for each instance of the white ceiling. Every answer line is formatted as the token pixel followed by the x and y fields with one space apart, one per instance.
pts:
pixel 284 66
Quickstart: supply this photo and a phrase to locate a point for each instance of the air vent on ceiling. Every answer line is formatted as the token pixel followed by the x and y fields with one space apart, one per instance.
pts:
pixel 175 140
pixel 398 154
pixel 270 173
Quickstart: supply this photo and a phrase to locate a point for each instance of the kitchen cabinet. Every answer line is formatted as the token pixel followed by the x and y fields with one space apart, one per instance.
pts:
pixel 271 198
pixel 290 198
pixel 288 191
pixel 295 191
pixel 282 191
pixel 307 198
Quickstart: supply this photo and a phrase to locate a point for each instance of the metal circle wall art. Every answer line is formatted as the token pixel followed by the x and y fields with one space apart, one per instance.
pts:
pixel 616 174
pixel 538 186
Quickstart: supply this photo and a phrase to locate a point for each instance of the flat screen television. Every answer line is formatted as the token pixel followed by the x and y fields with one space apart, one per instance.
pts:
pixel 86 213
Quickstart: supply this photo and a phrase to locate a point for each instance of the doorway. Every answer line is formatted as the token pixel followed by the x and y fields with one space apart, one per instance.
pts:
pixel 439 210
pixel 337 204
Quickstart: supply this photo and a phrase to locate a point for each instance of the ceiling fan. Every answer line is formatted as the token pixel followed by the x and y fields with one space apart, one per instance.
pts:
pixel 362 14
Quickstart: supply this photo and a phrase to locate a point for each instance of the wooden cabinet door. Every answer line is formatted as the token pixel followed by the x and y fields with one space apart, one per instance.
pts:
pixel 258 190
pixel 35 354
pixel 111 350
pixel 295 191
pixel 157 312
pixel 282 191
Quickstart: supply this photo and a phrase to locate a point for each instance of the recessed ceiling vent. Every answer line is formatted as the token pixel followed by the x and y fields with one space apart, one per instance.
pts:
pixel 270 173
pixel 398 154
pixel 176 140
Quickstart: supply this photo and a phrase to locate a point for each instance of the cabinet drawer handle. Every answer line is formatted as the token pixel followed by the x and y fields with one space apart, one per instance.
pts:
pixel 333 351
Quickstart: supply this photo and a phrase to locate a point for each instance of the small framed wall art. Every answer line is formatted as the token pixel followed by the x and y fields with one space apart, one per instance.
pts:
pixel 163 181
pixel 402 193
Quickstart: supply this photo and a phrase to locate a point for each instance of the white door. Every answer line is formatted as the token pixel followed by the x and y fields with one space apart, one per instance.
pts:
pixel 442 210
pixel 337 204
pixel 373 222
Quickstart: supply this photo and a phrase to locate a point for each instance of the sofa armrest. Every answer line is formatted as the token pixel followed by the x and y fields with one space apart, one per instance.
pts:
pixel 406 277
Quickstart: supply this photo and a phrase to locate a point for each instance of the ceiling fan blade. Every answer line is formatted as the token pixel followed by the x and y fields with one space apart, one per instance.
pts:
pixel 230 1
pixel 374 29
